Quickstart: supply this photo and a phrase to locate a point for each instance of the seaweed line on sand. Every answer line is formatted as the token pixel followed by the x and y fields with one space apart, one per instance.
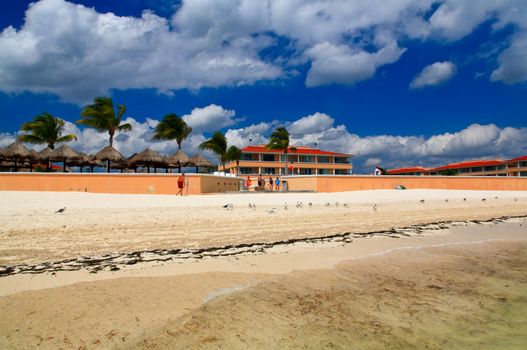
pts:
pixel 111 262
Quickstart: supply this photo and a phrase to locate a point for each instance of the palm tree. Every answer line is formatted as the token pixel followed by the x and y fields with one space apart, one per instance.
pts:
pixel 280 141
pixel 217 144
pixel 101 116
pixel 45 129
pixel 172 127
pixel 234 154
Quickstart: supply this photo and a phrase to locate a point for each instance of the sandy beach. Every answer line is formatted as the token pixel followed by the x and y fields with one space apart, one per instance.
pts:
pixel 185 272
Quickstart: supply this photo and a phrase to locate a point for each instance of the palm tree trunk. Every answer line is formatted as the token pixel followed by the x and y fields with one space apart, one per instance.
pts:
pixel 108 166
pixel 111 132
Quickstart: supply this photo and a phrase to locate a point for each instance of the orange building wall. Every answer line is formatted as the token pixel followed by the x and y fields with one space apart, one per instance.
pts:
pixel 116 183
pixel 323 183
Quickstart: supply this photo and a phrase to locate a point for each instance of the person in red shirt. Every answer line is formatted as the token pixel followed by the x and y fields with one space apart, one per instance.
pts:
pixel 181 184
pixel 248 183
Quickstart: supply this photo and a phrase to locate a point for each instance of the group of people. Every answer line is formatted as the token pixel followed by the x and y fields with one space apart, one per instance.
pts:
pixel 269 185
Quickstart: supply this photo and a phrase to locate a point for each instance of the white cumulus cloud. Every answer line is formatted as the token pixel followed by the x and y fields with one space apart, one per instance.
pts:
pixel 434 74
pixel 210 118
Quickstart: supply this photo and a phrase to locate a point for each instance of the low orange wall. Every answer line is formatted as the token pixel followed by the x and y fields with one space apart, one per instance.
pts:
pixel 116 183
pixel 323 183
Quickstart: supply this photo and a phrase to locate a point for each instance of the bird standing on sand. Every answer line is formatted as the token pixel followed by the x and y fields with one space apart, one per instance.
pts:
pixel 228 206
pixel 327 204
pixel 285 206
pixel 61 210
pixel 310 204
pixel 336 204
pixel 299 204
pixel 483 199
pixel 446 200
pixel 346 204
pixel 271 211
pixel 375 207
pixel 465 199
pixel 422 201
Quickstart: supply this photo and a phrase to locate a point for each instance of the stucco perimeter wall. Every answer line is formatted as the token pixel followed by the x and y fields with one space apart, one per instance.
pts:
pixel 116 183
pixel 340 183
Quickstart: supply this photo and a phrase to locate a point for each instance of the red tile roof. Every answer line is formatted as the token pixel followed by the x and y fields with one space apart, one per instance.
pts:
pixel 407 170
pixel 470 164
pixel 517 159
pixel 299 150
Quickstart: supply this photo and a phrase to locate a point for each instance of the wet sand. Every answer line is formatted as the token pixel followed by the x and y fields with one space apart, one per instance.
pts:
pixel 458 297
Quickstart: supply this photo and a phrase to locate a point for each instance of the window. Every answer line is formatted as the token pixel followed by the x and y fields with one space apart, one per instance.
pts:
pixel 249 156
pixel 306 171
pixel 306 159
pixel 323 159
pixel 324 171
pixel 490 168
pixel 244 170
pixel 501 167
pixel 268 157
pixel 476 169
pixel 267 171
pixel 341 172
pixel 523 164
pixel 523 173
pixel 463 170
pixel 341 160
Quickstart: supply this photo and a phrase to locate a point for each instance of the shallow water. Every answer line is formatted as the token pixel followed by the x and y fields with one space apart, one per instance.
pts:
pixel 458 297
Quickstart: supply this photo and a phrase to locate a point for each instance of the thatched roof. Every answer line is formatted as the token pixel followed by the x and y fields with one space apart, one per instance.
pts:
pixel 15 150
pixel 109 153
pixel 147 157
pixel 179 157
pixel 65 152
pixel 199 160
pixel 45 153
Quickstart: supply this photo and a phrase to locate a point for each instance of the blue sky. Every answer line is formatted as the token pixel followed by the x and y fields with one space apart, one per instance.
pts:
pixel 409 82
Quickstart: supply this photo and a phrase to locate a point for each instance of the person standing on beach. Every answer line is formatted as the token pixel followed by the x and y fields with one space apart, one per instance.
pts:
pixel 248 183
pixel 270 183
pixel 277 183
pixel 260 182
pixel 181 184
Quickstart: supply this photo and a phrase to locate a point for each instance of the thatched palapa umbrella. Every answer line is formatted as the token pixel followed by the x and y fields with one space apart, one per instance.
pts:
pixel 15 152
pixel 45 155
pixel 147 158
pixel 199 161
pixel 109 154
pixel 64 153
pixel 180 159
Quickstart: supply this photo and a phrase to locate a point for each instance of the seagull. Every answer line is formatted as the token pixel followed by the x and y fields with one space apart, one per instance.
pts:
pixel 252 206
pixel 336 204
pixel 422 201
pixel 228 206
pixel 496 197
pixel 299 204
pixel 346 204
pixel 483 199
pixel 271 211
pixel 285 206
pixel 61 210
pixel 465 199
pixel 375 207
pixel 446 200
pixel 327 204
pixel 515 199
pixel 310 204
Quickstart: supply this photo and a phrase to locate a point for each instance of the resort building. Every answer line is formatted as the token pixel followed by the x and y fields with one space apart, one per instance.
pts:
pixel 487 167
pixel 257 160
